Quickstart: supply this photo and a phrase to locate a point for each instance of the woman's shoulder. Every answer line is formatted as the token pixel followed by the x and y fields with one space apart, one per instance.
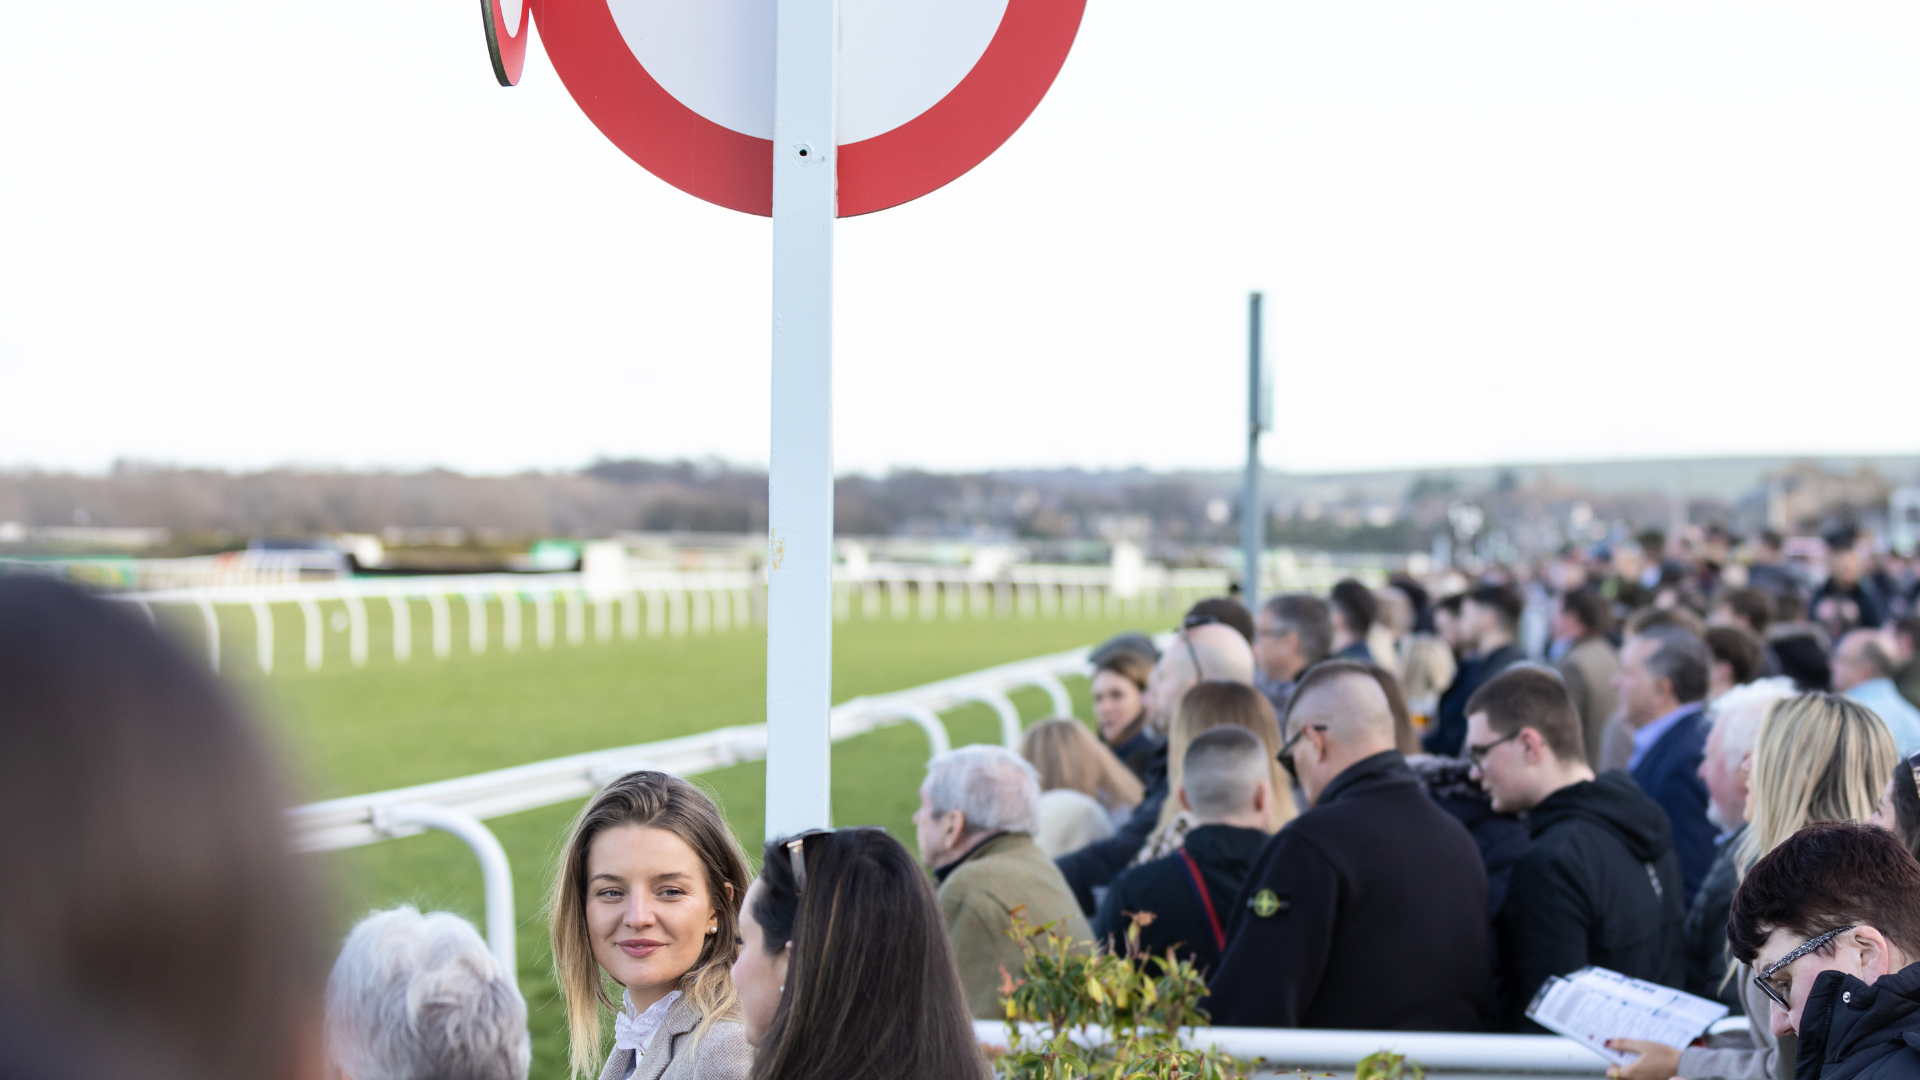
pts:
pixel 723 1054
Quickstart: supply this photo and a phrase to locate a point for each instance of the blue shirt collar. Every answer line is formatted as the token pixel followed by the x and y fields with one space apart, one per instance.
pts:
pixel 1644 739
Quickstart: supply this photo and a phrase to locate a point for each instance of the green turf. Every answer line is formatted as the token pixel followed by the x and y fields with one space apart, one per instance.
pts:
pixel 392 724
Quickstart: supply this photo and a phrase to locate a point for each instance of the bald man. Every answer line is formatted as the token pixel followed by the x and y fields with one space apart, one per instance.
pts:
pixel 1369 911
pixel 1211 652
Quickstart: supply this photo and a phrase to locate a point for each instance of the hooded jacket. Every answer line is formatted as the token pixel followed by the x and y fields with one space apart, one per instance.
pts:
pixel 1852 1031
pixel 1600 884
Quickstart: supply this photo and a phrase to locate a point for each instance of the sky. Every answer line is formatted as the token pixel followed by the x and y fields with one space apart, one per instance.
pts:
pixel 246 234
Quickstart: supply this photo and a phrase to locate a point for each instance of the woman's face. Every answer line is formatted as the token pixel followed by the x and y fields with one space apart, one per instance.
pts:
pixel 1116 703
pixel 648 909
pixel 758 976
pixel 1746 781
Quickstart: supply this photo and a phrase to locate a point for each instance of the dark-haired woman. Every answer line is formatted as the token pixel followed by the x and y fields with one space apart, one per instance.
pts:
pixel 1899 811
pixel 844 970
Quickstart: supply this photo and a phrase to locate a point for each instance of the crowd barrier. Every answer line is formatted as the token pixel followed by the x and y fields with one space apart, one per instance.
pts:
pixel 660 602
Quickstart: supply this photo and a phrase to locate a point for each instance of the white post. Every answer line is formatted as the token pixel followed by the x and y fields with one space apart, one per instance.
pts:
pixel 316 637
pixel 213 633
pixel 495 873
pixel 543 618
pixel 630 615
pixel 263 633
pixel 357 631
pixel 800 478
pixel 442 625
pixel 576 617
pixel 476 622
pixel 402 627
pixel 510 619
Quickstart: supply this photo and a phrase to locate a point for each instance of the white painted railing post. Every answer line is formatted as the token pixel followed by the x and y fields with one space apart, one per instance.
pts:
pixel 1057 691
pixel 316 640
pixel 494 871
pixel 510 619
pixel 442 625
pixel 476 622
pixel 543 618
pixel 262 634
pixel 212 622
pixel 1001 704
pixel 630 615
pixel 356 631
pixel 576 617
pixel 402 627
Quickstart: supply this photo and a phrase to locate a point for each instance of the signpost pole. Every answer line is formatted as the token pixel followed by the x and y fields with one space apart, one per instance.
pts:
pixel 800 473
pixel 1252 519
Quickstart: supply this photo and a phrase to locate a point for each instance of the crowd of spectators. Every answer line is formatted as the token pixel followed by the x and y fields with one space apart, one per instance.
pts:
pixel 1686 767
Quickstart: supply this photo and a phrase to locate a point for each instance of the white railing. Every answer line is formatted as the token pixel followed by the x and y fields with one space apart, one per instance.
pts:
pixel 459 806
pixel 1307 1049
pixel 658 602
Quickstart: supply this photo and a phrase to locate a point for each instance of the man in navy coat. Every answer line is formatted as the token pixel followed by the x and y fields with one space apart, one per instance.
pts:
pixel 1662 680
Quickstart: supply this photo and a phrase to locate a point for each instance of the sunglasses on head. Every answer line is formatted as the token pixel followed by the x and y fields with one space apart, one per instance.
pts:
pixel 796 846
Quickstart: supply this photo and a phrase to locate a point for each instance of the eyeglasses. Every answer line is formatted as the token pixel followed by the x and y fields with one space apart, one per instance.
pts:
pixel 1477 752
pixel 796 846
pixel 1764 979
pixel 1286 749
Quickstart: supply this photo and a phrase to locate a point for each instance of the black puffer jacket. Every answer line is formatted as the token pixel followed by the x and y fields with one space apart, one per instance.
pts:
pixel 1852 1031
pixel 1600 884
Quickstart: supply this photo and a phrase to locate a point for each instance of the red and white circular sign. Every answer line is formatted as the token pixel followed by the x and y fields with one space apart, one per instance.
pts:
pixel 506 37
pixel 928 88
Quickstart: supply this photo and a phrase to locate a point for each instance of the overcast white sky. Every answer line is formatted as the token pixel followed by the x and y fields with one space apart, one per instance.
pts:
pixel 247 233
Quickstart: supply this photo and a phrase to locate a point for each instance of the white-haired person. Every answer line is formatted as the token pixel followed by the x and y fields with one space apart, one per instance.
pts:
pixel 648 896
pixel 979 809
pixel 419 997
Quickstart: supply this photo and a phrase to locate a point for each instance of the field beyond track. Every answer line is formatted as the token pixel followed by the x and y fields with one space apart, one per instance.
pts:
pixel 351 731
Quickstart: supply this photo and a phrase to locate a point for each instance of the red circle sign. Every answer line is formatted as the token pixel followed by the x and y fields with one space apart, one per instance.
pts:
pixel 684 88
pixel 506 22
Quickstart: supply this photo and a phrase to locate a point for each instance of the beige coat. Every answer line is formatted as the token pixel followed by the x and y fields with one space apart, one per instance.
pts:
pixel 978 898
pixel 1755 1055
pixel 723 1053
pixel 1588 669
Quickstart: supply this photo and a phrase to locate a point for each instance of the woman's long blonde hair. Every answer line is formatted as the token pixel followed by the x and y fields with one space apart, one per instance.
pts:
pixel 1818 757
pixel 653 800
pixel 1067 755
pixel 1210 705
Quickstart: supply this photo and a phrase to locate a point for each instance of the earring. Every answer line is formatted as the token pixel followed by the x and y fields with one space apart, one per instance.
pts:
pixel 713 929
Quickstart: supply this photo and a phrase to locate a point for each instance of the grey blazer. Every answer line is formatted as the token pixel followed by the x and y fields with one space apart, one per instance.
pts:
pixel 723 1053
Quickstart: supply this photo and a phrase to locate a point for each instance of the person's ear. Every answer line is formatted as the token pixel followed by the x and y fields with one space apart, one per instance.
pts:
pixel 1184 803
pixel 780 963
pixel 1876 953
pixel 1262 796
pixel 1533 744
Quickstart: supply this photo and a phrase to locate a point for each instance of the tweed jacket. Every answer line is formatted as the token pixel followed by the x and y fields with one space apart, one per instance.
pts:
pixel 1588 669
pixel 723 1053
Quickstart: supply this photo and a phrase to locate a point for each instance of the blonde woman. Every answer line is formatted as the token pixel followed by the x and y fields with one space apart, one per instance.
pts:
pixel 1210 705
pixel 1818 757
pixel 648 895
pixel 1085 792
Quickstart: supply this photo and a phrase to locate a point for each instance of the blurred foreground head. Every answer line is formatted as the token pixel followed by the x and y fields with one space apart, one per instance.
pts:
pixel 147 890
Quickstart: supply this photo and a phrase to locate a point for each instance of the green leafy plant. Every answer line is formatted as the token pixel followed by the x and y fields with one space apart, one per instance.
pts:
pixel 1104 1015
pixel 1387 1065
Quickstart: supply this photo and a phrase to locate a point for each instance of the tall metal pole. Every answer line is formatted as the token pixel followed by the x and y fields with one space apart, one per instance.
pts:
pixel 800 472
pixel 1252 520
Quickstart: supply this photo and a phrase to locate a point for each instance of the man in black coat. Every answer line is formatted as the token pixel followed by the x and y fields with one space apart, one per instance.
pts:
pixel 1600 883
pixel 1489 620
pixel 1226 786
pixel 1830 922
pixel 1369 911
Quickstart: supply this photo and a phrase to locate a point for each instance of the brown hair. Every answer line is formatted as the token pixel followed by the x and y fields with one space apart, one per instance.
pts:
pixel 653 800
pixel 1532 697
pixel 1828 875
pixel 1210 705
pixel 145 874
pixel 1738 649
pixel 872 992
pixel 1067 755
pixel 1129 665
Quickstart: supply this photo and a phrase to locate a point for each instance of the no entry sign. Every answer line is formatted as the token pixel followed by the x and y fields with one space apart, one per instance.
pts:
pixel 927 88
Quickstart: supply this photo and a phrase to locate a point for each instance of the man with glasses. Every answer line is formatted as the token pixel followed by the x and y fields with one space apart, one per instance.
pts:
pixel 1291 633
pixel 1600 882
pixel 1369 911
pixel 1830 922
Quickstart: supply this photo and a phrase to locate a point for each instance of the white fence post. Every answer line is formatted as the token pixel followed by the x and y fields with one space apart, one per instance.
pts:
pixel 510 619
pixel 576 617
pixel 402 627
pixel 356 631
pixel 543 618
pixel 316 641
pixel 442 625
pixel 476 622
pixel 212 622
pixel 262 634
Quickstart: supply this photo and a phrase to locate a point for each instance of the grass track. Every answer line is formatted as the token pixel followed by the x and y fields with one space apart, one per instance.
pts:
pixel 389 724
